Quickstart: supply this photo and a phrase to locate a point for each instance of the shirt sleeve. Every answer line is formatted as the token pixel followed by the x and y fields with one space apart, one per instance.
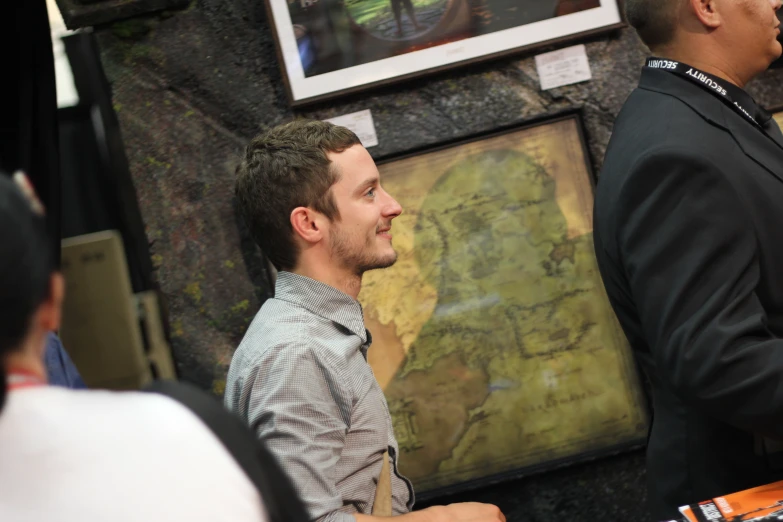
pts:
pixel 299 407
pixel 59 367
pixel 690 254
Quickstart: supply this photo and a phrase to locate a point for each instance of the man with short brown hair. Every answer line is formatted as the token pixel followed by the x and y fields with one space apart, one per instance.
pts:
pixel 312 197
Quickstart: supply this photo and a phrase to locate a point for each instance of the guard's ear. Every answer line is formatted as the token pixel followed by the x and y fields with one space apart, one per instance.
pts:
pixel 708 12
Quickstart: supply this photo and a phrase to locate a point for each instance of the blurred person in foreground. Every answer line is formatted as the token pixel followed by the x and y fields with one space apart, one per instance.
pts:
pixel 312 198
pixel 688 220
pixel 92 456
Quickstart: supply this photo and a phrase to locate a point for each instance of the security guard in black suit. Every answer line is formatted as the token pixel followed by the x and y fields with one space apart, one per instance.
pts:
pixel 689 240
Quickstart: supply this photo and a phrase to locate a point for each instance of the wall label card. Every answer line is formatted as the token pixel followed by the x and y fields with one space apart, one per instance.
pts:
pixel 563 67
pixel 361 124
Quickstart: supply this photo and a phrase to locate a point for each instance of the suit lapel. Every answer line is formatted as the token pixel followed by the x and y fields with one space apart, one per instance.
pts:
pixel 760 148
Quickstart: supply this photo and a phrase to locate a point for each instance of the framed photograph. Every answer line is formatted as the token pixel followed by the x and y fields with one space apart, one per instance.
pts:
pixel 493 337
pixel 328 48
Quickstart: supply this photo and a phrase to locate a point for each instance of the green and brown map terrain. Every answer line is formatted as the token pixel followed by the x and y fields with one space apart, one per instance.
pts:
pixel 493 338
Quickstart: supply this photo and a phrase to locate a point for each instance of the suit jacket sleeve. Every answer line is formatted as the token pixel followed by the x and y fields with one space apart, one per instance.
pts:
pixel 690 254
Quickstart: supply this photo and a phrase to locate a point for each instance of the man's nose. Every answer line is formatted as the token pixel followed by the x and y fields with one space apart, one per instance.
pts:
pixel 391 208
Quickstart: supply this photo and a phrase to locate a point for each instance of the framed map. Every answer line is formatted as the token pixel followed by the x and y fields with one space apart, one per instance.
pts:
pixel 328 48
pixel 493 338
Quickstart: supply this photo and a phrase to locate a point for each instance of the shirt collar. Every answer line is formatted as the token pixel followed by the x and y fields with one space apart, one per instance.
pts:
pixel 745 100
pixel 764 117
pixel 322 300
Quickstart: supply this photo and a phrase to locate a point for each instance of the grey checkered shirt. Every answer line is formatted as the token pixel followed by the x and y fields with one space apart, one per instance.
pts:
pixel 301 381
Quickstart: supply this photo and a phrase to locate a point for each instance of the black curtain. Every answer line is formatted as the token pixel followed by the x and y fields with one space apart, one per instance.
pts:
pixel 98 191
pixel 74 157
pixel 28 115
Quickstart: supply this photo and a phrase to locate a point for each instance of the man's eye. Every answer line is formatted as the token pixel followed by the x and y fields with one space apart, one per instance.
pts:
pixel 371 193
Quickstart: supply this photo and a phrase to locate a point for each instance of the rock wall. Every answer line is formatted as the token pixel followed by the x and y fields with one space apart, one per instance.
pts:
pixel 191 87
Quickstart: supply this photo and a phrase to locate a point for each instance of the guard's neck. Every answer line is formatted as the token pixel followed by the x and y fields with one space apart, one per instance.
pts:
pixel 707 61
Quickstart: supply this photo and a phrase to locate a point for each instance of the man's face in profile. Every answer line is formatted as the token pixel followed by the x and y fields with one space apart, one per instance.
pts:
pixel 361 239
pixel 752 28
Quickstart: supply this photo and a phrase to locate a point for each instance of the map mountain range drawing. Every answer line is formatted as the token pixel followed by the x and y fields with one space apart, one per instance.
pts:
pixel 493 340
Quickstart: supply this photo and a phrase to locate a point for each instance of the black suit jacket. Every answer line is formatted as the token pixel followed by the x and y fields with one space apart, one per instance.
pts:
pixel 689 240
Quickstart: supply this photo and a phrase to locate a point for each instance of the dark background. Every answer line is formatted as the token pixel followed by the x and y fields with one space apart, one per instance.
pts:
pixel 191 87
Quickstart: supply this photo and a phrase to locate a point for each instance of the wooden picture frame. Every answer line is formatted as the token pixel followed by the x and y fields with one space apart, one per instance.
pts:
pixel 493 337
pixel 330 48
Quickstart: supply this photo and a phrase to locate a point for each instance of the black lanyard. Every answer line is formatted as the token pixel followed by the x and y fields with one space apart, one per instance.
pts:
pixel 717 86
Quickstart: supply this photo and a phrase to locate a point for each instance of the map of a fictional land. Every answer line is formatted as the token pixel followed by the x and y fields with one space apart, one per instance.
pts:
pixel 779 118
pixel 493 338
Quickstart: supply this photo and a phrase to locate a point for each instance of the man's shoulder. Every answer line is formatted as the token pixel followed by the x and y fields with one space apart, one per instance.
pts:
pixel 656 114
pixel 653 124
pixel 284 331
pixel 657 135
pixel 282 322
pixel 121 413
pixel 669 117
pixel 134 433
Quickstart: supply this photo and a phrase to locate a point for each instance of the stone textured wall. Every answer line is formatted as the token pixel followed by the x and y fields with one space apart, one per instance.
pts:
pixel 191 87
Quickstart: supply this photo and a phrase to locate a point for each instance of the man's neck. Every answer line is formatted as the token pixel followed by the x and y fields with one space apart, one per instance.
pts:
pixel 28 359
pixel 342 280
pixel 706 61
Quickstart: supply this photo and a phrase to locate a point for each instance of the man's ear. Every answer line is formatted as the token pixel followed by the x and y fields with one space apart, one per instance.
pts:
pixel 707 11
pixel 308 224
pixel 50 311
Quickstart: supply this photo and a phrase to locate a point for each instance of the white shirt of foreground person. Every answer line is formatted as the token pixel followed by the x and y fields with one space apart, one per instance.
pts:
pixel 95 456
